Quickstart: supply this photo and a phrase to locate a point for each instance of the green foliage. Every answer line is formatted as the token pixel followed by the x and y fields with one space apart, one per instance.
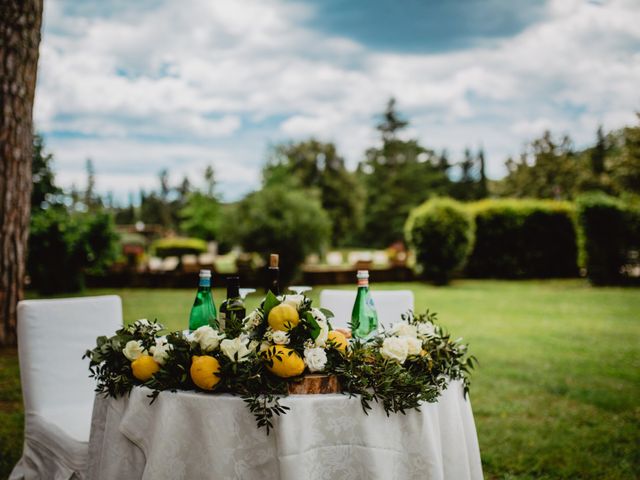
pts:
pixel 441 232
pixel 45 192
pixel 317 166
pixel 398 176
pixel 280 220
pixel 523 239
pixel 63 247
pixel 610 230
pixel 178 246
pixel 201 217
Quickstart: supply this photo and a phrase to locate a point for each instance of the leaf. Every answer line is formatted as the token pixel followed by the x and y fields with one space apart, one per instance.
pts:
pixel 327 313
pixel 315 328
pixel 270 301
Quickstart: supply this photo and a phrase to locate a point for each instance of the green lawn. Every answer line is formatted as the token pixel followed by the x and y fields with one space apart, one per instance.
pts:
pixel 558 388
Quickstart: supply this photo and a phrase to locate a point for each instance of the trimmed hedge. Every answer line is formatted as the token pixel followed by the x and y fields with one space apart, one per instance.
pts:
pixel 441 232
pixel 178 246
pixel 523 239
pixel 610 231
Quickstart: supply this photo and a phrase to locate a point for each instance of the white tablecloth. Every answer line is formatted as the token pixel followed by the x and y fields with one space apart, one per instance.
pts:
pixel 197 436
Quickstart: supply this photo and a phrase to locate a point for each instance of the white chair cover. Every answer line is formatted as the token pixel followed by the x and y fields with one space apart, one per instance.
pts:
pixel 57 391
pixel 390 305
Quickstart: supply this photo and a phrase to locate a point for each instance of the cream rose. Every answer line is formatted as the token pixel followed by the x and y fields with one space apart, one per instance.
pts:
pixel 426 330
pixel 207 337
pixel 236 350
pixel 395 348
pixel 315 359
pixel 403 329
pixel 161 350
pixel 414 346
pixel 133 349
pixel 280 338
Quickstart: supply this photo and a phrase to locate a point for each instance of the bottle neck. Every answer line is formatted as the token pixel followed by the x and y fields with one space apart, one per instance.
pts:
pixel 233 291
pixel 274 280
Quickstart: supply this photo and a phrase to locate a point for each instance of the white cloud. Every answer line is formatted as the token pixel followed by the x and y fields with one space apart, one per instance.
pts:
pixel 195 76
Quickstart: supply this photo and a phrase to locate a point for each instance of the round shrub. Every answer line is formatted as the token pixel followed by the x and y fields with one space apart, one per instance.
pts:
pixel 280 220
pixel 441 233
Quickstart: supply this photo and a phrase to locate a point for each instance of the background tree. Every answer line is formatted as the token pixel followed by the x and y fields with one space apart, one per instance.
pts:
pixel 201 214
pixel 20 22
pixel 44 193
pixel 398 176
pixel 316 165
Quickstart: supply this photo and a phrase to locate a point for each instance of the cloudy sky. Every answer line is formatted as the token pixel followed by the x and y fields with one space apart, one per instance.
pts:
pixel 152 84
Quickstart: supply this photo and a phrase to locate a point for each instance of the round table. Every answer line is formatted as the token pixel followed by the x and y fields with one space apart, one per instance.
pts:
pixel 194 435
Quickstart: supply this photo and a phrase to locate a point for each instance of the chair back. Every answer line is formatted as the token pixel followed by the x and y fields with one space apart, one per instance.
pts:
pixel 52 337
pixel 390 305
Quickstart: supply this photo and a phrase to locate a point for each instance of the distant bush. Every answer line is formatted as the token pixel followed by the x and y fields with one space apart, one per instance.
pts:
pixel 610 232
pixel 523 239
pixel 63 247
pixel 441 233
pixel 178 246
pixel 280 220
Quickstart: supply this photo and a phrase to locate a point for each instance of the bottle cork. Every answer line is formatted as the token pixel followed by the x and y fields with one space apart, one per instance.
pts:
pixel 273 260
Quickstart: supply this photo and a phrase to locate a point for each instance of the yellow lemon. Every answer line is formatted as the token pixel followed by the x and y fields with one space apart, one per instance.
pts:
pixel 286 362
pixel 283 317
pixel 144 367
pixel 203 371
pixel 338 340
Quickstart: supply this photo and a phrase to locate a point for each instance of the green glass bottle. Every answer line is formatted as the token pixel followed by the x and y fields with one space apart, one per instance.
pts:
pixel 203 311
pixel 232 310
pixel 364 318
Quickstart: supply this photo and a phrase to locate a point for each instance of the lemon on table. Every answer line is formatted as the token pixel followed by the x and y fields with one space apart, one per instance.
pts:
pixel 144 367
pixel 286 362
pixel 283 317
pixel 338 340
pixel 203 371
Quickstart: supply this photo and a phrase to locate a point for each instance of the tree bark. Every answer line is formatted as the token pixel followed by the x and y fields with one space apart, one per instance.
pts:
pixel 20 22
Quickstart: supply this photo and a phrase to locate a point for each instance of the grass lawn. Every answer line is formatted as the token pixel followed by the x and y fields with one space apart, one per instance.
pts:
pixel 558 388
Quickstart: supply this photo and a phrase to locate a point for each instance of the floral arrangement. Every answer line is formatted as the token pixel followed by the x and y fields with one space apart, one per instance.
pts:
pixel 276 345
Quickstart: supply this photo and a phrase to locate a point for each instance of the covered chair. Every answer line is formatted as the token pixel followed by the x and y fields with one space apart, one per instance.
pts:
pixel 390 305
pixel 58 394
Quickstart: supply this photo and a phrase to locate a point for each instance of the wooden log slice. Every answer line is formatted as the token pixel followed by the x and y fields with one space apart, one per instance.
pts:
pixel 315 383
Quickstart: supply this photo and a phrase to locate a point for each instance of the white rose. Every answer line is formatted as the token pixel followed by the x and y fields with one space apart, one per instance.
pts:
pixel 315 359
pixel 321 340
pixel 161 350
pixel 294 300
pixel 279 337
pixel 133 349
pixel 426 330
pixel 414 346
pixel 403 329
pixel 395 348
pixel 207 337
pixel 253 320
pixel 319 317
pixel 236 350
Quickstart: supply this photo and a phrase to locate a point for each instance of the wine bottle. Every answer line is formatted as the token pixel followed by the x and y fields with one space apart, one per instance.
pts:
pixel 364 318
pixel 203 311
pixel 232 310
pixel 274 274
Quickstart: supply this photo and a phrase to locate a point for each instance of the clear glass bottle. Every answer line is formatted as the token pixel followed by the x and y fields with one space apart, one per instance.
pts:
pixel 232 310
pixel 364 318
pixel 203 311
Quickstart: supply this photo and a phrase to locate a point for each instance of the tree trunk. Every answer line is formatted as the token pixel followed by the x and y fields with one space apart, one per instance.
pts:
pixel 20 22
